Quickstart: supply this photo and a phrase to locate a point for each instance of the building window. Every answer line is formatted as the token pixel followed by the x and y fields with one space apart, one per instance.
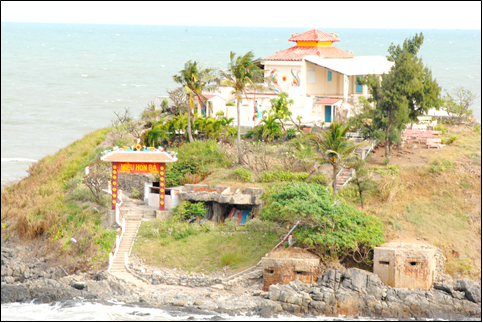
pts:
pixel 329 76
pixel 310 76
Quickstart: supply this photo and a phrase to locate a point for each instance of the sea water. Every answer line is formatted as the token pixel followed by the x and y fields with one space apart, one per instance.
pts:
pixel 61 81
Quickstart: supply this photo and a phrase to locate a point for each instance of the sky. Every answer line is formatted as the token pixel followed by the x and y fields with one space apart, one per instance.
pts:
pixel 363 14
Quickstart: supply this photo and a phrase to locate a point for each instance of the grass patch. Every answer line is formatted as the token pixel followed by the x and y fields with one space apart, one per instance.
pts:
pixel 204 248
pixel 46 203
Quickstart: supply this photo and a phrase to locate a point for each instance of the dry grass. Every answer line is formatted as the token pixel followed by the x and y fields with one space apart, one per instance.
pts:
pixel 439 203
pixel 38 206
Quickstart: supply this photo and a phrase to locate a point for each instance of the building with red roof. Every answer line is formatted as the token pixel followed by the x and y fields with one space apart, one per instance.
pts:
pixel 314 69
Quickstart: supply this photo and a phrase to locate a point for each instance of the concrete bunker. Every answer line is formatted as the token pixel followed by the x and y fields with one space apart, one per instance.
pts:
pixel 284 265
pixel 406 265
pixel 224 203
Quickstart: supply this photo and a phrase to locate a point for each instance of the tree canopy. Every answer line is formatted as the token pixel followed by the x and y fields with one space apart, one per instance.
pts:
pixel 328 229
pixel 407 91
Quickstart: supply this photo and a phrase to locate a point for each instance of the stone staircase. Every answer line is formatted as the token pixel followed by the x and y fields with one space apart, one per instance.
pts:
pixel 134 212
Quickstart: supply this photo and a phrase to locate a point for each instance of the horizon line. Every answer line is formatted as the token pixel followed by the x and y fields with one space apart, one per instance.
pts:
pixel 134 24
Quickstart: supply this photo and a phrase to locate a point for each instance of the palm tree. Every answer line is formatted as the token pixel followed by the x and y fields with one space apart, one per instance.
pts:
pixel 335 149
pixel 195 80
pixel 243 75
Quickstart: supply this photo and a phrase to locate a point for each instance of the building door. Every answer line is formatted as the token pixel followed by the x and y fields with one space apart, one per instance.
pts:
pixel 358 85
pixel 328 116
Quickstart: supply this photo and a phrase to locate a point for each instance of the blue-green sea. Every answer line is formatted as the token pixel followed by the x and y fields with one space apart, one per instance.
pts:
pixel 61 81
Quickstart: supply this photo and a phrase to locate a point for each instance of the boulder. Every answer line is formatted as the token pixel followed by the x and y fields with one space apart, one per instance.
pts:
pixel 444 287
pixel 355 279
pixel 471 289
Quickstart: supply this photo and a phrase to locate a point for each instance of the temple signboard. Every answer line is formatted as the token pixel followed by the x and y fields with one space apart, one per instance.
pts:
pixel 125 167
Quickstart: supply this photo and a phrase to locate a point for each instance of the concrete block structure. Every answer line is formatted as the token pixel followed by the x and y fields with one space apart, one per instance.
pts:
pixel 405 266
pixel 285 265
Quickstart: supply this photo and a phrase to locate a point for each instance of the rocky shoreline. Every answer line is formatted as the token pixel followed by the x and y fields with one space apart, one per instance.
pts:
pixel 350 293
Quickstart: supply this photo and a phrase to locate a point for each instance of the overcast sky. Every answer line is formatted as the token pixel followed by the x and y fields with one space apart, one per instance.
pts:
pixel 363 14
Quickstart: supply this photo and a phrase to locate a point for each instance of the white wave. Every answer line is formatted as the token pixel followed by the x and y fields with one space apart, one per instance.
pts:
pixel 18 159
pixel 138 85
pixel 162 66
pixel 84 75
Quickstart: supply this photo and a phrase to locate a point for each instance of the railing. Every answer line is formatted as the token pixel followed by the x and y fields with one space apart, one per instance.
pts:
pixel 122 224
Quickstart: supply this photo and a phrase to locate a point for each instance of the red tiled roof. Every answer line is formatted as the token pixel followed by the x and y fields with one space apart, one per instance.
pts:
pixel 328 101
pixel 296 53
pixel 314 35
pixel 210 96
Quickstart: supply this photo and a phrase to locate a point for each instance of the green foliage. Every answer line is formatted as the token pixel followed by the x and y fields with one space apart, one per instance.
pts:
pixel 450 139
pixel 477 128
pixel 230 104
pixel 386 161
pixel 187 210
pixel 334 148
pixel 220 113
pixel 243 174
pixel 439 166
pixel 391 170
pixel 406 92
pixel 282 176
pixel 362 178
pixel 198 157
pixel 441 128
pixel 458 104
pixel 136 194
pixel 332 230
pixel 290 133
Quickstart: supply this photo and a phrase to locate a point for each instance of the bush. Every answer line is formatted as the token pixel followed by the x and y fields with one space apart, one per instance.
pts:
pixel 198 157
pixel 230 104
pixel 187 210
pixel 290 134
pixel 243 174
pixel 327 228
pixel 282 176
pixel 477 128
pixel 136 194
pixel 450 139
pixel 441 128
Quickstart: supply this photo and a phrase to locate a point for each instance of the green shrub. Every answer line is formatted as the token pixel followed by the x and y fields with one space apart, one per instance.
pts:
pixel 386 161
pixel 330 229
pixel 197 157
pixel 230 104
pixel 477 128
pixel 282 176
pixel 243 174
pixel 82 193
pixel 186 210
pixel 440 128
pixel 136 194
pixel 450 139
pixel 319 179
pixel 220 113
pixel 290 134
pixel 230 258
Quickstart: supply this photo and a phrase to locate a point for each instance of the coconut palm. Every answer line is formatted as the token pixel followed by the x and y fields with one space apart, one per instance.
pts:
pixel 242 75
pixel 195 80
pixel 334 148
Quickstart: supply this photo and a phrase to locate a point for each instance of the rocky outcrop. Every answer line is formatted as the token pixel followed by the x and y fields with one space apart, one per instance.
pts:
pixel 358 293
pixel 222 195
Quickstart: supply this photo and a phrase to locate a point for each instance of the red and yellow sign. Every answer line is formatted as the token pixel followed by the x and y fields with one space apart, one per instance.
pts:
pixel 138 167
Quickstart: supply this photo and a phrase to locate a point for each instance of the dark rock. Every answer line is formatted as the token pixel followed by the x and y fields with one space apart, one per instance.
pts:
pixel 11 294
pixel 136 313
pixel 100 276
pixel 471 289
pixel 355 279
pixel 444 287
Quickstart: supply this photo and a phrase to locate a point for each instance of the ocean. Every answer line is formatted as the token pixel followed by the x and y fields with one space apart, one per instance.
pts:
pixel 61 81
